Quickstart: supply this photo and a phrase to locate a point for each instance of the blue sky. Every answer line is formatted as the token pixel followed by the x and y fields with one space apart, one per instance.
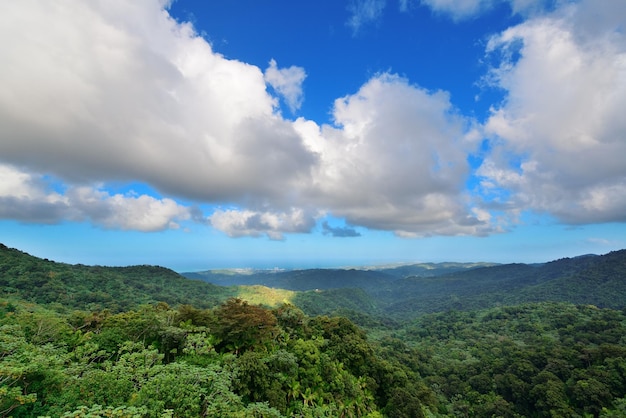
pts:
pixel 201 135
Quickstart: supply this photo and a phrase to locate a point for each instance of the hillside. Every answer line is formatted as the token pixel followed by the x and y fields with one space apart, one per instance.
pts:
pixel 96 287
pixel 408 291
pixel 595 280
pixel 311 279
pixel 93 341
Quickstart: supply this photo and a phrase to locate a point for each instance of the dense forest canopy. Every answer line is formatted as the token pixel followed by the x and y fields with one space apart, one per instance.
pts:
pixel 143 341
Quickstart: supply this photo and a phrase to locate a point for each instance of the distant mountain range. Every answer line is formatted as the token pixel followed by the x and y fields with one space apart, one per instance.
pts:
pixel 399 293
pixel 310 279
pixel 411 290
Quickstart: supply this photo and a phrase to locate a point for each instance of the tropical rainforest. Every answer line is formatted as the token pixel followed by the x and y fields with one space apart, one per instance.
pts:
pixel 428 340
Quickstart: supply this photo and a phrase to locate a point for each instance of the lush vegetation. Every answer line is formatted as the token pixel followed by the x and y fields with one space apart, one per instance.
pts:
pixel 234 360
pixel 79 341
pixel 532 360
pixel 410 291
pixel 95 287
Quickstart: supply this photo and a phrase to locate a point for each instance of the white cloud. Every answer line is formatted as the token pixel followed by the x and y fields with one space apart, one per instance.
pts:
pixel 363 12
pixel 287 82
pixel 96 92
pixel 562 122
pixel 140 213
pixel 396 160
pixel 466 9
pixel 240 223
pixel 119 90
pixel 29 198
pixel 459 9
pixel 606 242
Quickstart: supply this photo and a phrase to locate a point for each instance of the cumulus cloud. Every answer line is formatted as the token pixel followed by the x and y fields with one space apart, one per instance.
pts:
pixel 287 82
pixel 560 135
pixel 363 12
pixel 466 9
pixel 395 160
pixel 30 198
pixel 241 223
pixel 605 242
pixel 119 91
pixel 140 213
pixel 459 9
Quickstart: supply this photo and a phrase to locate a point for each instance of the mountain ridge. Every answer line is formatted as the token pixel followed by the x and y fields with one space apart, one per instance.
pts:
pixel 589 279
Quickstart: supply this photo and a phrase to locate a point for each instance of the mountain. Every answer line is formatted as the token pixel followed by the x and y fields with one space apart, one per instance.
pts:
pixel 595 280
pixel 400 293
pixel 311 279
pixel 427 346
pixel 412 290
pixel 96 287
pixel 431 269
pixel 300 280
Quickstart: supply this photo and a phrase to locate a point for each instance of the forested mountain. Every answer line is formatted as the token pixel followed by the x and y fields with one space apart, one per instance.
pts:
pixel 301 280
pixel 97 287
pixel 597 280
pixel 410 291
pixel 549 340
pixel 310 279
pixel 531 360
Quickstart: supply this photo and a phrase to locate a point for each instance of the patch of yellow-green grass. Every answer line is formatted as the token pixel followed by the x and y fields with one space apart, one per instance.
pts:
pixel 267 296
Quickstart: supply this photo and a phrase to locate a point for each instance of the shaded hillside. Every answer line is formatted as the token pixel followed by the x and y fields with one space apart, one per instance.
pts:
pixel 548 359
pixel 324 302
pixel 431 269
pixel 589 279
pixel 300 280
pixel 311 279
pixel 477 281
pixel 599 281
pixel 596 280
pixel 96 287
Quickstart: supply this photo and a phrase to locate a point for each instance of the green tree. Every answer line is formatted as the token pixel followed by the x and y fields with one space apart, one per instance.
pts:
pixel 590 395
pixel 240 326
pixel 28 372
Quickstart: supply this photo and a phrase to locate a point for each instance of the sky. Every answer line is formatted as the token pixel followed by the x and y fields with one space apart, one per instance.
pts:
pixel 244 133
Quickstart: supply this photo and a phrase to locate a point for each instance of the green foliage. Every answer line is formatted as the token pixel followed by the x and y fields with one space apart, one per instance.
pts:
pixel 69 348
pixel 326 302
pixel 232 361
pixel 98 411
pixel 547 359
pixel 241 326
pixel 410 291
pixel 93 288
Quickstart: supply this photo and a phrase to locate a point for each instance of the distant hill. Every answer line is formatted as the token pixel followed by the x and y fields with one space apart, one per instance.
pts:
pixel 96 287
pixel 399 293
pixel 431 269
pixel 300 280
pixel 590 279
pixel 411 290
pixel 311 279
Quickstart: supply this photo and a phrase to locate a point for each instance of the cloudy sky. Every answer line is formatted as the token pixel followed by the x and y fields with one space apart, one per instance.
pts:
pixel 239 133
